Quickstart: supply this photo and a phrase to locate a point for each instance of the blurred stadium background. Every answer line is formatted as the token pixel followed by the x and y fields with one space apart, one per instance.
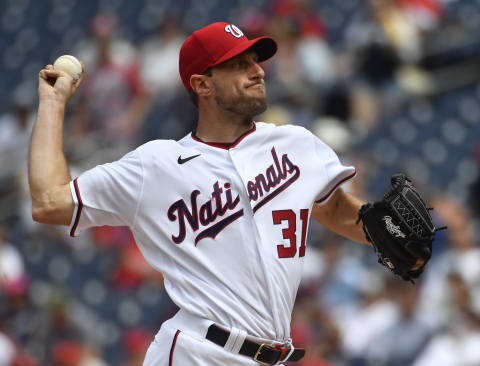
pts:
pixel 391 85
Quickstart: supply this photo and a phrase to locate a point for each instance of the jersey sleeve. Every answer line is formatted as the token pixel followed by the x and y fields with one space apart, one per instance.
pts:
pixel 336 173
pixel 107 194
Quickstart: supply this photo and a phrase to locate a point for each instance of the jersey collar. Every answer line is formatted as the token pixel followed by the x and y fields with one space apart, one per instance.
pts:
pixel 226 145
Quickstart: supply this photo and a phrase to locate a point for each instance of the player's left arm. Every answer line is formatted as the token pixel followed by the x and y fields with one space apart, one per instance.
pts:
pixel 340 214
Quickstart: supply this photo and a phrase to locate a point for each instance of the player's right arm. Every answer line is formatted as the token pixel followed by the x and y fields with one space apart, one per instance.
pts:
pixel 49 177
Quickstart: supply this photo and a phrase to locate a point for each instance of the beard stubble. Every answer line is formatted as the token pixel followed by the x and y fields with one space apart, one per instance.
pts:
pixel 243 105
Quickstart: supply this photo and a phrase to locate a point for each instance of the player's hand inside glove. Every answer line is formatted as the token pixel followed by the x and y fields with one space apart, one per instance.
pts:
pixel 400 229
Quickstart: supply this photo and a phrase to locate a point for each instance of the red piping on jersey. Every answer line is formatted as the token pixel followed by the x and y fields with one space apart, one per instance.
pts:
pixel 174 342
pixel 335 187
pixel 79 209
pixel 226 145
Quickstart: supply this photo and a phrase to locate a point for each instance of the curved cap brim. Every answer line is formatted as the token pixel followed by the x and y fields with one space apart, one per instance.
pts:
pixel 265 47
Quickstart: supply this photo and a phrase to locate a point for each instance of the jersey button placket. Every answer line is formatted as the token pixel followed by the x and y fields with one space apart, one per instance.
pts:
pixel 237 162
pixel 240 168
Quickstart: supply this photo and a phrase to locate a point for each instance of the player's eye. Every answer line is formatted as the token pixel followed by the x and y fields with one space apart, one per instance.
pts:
pixel 240 64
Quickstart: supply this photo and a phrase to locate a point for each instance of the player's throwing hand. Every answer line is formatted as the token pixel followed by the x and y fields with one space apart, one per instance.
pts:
pixel 57 85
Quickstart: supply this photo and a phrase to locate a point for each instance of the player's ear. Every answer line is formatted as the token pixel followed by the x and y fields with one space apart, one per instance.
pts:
pixel 201 84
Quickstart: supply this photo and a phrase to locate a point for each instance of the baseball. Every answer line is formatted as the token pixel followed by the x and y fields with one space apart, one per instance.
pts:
pixel 70 65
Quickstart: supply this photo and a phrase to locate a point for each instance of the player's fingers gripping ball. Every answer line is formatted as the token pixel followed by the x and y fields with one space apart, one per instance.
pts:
pixel 70 65
pixel 63 77
pixel 400 229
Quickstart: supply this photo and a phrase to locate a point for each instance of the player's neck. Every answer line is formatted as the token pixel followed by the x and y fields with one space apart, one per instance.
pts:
pixel 222 128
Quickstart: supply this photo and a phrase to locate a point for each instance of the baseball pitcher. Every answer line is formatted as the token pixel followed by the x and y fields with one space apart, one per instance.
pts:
pixel 223 213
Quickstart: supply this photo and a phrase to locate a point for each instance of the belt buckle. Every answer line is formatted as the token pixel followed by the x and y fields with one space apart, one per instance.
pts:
pixel 259 351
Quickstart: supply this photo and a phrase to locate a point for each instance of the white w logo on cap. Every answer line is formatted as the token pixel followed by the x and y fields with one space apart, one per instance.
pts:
pixel 234 31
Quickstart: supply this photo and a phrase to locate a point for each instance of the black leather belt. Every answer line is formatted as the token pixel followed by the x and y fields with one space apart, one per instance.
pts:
pixel 264 354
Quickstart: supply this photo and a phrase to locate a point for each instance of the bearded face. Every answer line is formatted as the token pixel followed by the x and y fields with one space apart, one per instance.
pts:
pixel 249 101
pixel 240 86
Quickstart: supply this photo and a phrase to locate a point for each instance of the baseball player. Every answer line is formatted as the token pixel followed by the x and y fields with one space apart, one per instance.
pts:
pixel 223 213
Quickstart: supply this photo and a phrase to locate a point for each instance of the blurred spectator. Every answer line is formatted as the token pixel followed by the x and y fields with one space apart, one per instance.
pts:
pixel 112 98
pixel 365 38
pixel 333 126
pixel 304 63
pixel 67 353
pixel 7 351
pixel 105 26
pixel 159 59
pixel 132 270
pixel 314 57
pixel 91 357
pixel 458 343
pixel 313 330
pixel 336 286
pixel 136 342
pixel 61 327
pixel 305 318
pixel 402 24
pixel 25 326
pixel 400 344
pixel 112 236
pixel 313 356
pixel 285 65
pixel 461 257
pixel 398 28
pixel 15 130
pixel 12 354
pixel 424 14
pixel 74 353
pixel 13 276
pixel 361 324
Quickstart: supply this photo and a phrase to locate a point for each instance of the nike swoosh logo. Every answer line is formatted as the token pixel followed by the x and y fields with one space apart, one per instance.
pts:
pixel 183 161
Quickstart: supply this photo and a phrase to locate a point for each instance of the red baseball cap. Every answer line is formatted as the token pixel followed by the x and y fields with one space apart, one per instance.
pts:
pixel 216 43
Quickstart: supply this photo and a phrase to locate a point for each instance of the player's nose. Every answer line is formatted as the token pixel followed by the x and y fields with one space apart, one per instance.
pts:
pixel 257 71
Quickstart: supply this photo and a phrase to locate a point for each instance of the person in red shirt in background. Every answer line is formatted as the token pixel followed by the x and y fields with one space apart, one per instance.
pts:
pixel 113 100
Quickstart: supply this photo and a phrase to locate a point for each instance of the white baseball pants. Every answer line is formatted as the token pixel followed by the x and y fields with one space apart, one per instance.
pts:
pixel 181 342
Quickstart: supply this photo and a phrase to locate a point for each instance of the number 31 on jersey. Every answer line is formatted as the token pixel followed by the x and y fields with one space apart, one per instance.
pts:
pixel 290 232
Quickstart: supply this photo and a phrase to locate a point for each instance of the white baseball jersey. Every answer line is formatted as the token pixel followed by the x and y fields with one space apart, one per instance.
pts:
pixel 226 224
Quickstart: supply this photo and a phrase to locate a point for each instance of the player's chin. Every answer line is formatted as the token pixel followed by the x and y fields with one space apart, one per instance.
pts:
pixel 257 93
pixel 258 106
